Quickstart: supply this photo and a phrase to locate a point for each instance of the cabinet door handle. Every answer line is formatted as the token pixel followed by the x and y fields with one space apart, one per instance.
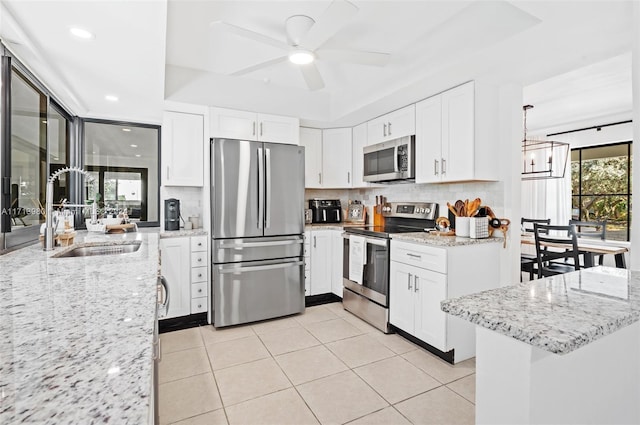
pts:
pixel 261 129
pixel 389 129
pixel 199 243
pixel 435 167
pixel 168 178
pixel 415 285
pixel 314 241
pixel 409 281
pixel 444 166
pixel 199 305
pixel 384 130
pixel 319 178
pixel 199 274
pixel 200 290
pixel 348 177
pixel 253 132
pixel 199 260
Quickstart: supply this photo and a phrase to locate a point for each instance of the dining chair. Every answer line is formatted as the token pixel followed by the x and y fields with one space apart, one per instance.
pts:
pixel 591 229
pixel 528 261
pixel 554 243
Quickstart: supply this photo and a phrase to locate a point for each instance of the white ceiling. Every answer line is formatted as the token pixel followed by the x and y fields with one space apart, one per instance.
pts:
pixel 147 51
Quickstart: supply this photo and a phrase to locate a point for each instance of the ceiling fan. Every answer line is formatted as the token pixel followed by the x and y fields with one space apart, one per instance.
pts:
pixel 305 38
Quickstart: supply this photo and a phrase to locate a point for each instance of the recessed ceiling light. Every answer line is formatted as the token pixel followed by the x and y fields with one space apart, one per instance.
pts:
pixel 301 57
pixel 81 33
pixel 126 129
pixel 134 146
pixel 94 152
pixel 138 155
pixel 111 98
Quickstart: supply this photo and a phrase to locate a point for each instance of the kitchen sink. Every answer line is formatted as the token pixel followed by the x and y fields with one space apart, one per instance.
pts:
pixel 106 249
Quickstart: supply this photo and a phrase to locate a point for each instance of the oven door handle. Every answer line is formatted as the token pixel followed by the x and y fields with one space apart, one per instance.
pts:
pixel 372 241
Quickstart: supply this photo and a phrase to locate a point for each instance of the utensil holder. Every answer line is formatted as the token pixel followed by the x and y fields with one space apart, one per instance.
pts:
pixel 462 226
pixel 479 227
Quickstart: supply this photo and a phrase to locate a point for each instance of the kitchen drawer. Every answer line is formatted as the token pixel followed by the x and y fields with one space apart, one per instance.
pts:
pixel 198 305
pixel 199 290
pixel 199 259
pixel 422 256
pixel 198 274
pixel 198 243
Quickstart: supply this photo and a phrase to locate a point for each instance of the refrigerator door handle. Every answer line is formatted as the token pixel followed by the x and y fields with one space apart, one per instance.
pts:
pixel 234 245
pixel 239 269
pixel 260 189
pixel 267 187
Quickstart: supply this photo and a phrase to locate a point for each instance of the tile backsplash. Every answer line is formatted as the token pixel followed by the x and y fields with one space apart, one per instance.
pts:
pixel 491 194
pixel 191 201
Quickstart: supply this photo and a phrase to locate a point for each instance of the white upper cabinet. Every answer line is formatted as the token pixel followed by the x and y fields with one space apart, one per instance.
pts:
pixel 357 164
pixel 399 123
pixel 232 124
pixel 455 135
pixel 182 149
pixel 276 128
pixel 311 139
pixel 327 157
pixel 336 158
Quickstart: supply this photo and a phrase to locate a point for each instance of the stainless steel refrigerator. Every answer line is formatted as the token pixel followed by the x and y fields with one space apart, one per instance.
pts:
pixel 257 196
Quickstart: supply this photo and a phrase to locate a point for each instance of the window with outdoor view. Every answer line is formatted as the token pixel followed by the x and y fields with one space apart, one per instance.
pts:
pixel 601 187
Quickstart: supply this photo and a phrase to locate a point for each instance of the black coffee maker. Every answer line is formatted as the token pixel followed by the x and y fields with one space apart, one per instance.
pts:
pixel 171 214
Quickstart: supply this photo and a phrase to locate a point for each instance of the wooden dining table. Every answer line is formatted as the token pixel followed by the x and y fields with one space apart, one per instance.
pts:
pixel 589 248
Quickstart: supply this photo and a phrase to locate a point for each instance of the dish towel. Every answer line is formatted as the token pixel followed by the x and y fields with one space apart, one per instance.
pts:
pixel 357 257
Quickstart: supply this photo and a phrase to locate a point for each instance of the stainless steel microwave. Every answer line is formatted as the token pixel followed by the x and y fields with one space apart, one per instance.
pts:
pixel 389 161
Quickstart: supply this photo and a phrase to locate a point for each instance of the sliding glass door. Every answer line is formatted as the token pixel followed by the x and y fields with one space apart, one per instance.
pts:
pixel 35 142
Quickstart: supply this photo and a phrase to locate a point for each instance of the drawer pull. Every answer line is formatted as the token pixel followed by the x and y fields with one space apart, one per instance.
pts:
pixel 199 305
pixel 419 257
pixel 199 274
pixel 199 260
pixel 200 290
pixel 199 243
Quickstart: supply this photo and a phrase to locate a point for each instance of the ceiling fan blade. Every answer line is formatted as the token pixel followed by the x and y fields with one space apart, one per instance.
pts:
pixel 354 56
pixel 252 35
pixel 335 17
pixel 259 66
pixel 312 76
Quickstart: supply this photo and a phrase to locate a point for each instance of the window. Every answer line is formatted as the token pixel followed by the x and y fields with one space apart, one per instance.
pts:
pixel 601 187
pixel 123 157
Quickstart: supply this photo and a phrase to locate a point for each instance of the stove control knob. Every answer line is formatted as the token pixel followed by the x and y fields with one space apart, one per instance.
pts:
pixel 427 210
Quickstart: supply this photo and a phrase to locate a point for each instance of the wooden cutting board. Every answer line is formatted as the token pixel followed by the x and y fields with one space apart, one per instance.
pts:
pixel 119 228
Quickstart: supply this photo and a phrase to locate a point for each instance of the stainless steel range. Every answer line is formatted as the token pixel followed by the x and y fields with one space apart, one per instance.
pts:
pixel 365 266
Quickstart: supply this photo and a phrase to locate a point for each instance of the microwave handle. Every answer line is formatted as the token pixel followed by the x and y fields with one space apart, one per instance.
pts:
pixel 396 169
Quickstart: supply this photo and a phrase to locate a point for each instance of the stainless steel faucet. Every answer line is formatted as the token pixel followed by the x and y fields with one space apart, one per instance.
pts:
pixel 49 228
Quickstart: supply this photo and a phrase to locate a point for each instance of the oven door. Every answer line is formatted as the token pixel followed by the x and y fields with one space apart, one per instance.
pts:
pixel 375 275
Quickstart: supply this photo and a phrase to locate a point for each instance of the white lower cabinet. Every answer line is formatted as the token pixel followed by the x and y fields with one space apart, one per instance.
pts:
pixel 324 262
pixel 175 264
pixel 336 262
pixel 184 266
pixel 422 276
pixel 320 245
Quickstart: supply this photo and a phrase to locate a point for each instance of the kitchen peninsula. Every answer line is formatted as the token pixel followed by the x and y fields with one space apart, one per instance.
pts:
pixel 76 333
pixel 563 349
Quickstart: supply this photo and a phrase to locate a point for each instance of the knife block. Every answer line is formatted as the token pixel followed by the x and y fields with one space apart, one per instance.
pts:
pixel 378 218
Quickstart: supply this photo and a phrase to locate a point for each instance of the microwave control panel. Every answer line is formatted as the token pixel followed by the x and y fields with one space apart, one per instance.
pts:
pixel 403 158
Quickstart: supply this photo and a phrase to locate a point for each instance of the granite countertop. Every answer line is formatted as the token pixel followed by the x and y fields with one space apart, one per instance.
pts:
pixel 560 313
pixel 437 240
pixel 182 233
pixel 76 334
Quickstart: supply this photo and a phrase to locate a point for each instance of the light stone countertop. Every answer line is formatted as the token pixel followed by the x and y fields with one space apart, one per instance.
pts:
pixel 182 233
pixel 445 241
pixel 76 334
pixel 560 313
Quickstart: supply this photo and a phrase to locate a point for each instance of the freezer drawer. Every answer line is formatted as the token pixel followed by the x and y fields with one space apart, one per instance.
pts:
pixel 259 290
pixel 254 249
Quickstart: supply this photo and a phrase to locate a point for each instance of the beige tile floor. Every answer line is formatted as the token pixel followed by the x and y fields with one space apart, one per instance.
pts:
pixel 325 366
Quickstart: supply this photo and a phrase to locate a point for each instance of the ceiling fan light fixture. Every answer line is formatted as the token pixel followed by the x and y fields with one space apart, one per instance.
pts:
pixel 301 57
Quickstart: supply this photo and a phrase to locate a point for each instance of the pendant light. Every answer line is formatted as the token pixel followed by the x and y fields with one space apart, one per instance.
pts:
pixel 542 159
